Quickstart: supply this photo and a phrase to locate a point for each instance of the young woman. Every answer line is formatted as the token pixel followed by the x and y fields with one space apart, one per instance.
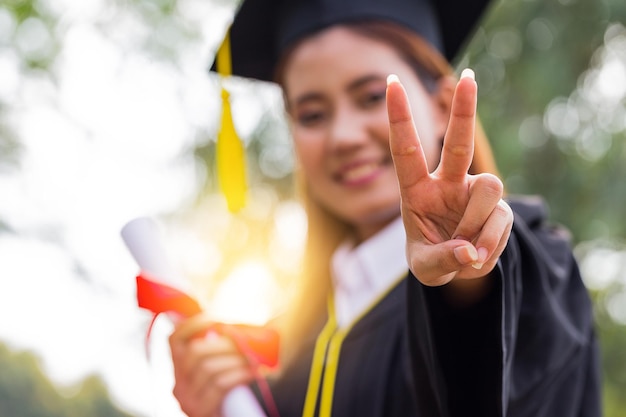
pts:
pixel 423 292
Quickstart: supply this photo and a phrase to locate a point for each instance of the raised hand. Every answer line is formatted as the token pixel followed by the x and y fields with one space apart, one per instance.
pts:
pixel 457 224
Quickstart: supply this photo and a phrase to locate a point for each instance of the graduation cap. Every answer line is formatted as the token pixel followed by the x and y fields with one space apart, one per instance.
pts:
pixel 262 29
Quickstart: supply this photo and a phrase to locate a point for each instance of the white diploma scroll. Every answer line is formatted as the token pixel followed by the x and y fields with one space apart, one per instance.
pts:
pixel 143 240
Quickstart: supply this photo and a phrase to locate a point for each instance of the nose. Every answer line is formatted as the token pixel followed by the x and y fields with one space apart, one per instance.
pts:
pixel 349 130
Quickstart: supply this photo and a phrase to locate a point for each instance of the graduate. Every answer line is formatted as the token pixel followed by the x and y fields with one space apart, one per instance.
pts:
pixel 424 291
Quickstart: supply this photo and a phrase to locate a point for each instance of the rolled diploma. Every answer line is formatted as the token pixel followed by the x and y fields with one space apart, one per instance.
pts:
pixel 143 240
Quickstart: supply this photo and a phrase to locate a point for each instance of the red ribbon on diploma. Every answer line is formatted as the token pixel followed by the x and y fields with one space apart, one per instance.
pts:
pixel 259 344
pixel 160 298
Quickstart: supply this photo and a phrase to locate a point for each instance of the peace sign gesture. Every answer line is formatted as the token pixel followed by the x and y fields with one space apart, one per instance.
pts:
pixel 457 224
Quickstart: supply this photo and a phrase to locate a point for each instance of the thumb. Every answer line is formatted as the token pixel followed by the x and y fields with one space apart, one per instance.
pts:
pixel 435 265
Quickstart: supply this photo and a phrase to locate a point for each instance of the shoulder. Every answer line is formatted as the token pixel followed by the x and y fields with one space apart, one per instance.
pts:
pixel 531 209
pixel 533 230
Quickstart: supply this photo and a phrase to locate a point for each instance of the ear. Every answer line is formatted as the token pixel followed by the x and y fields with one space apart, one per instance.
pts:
pixel 442 98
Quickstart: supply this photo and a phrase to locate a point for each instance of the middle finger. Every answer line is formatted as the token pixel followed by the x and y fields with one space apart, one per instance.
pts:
pixel 458 145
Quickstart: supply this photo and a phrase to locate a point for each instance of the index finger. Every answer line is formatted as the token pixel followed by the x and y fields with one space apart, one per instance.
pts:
pixel 458 144
pixel 406 149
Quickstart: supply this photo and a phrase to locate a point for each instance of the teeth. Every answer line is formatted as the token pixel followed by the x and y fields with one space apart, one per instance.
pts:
pixel 359 172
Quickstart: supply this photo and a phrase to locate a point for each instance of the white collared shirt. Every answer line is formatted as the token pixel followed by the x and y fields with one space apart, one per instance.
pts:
pixel 362 274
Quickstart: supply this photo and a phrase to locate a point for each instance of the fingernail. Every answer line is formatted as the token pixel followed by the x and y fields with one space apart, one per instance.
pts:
pixel 482 257
pixel 483 253
pixel 391 78
pixel 465 254
pixel 468 73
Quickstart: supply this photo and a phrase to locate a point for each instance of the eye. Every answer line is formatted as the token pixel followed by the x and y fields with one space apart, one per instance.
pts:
pixel 311 118
pixel 372 99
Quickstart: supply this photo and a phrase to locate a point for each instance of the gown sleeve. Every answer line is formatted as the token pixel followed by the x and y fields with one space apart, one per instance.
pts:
pixel 527 349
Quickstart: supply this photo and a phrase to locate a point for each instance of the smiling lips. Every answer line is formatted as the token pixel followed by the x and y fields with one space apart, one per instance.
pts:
pixel 360 174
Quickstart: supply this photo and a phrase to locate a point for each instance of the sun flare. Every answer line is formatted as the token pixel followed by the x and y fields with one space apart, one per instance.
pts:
pixel 249 294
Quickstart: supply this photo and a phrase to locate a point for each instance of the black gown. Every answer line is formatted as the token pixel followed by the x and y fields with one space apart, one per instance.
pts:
pixel 527 349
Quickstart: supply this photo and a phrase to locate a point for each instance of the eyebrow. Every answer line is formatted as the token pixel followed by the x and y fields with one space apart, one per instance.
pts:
pixel 354 85
pixel 359 82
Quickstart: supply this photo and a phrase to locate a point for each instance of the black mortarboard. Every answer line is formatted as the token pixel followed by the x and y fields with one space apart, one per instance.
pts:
pixel 261 29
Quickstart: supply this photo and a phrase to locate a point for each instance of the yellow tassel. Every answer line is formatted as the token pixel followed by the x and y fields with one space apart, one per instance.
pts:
pixel 230 160
pixel 231 170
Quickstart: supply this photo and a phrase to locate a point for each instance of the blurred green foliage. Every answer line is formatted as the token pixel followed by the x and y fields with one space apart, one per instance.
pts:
pixel 613 342
pixel 25 391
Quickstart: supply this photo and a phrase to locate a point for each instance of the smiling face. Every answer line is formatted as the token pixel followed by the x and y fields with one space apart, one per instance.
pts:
pixel 335 84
